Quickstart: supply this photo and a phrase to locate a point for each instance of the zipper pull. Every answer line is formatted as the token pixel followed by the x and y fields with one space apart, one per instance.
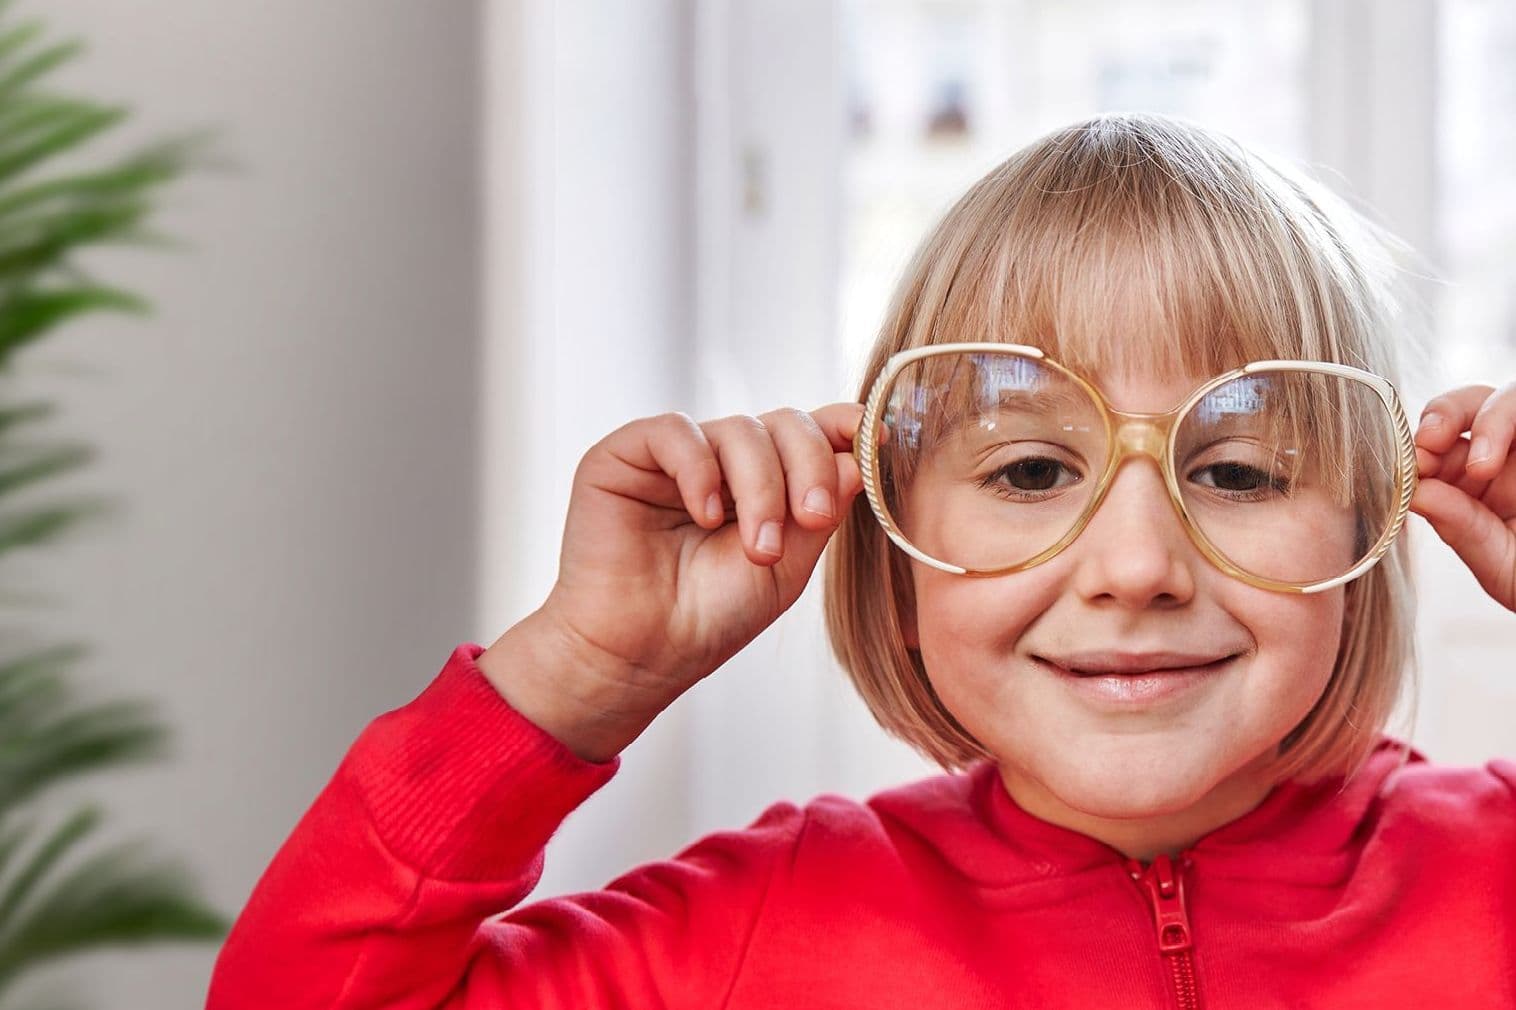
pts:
pixel 1166 889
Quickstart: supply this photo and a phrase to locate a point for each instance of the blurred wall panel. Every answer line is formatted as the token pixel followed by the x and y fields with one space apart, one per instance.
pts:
pixel 588 301
pixel 292 437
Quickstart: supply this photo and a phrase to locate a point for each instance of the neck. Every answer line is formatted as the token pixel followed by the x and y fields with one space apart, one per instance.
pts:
pixel 1141 838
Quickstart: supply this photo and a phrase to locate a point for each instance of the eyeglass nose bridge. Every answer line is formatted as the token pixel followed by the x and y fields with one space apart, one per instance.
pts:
pixel 1140 434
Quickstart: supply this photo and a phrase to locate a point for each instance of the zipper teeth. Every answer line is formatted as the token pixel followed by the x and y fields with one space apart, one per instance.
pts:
pixel 1183 973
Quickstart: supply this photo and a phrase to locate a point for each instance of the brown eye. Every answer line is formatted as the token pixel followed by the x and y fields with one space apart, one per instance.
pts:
pixel 1026 478
pixel 1035 474
pixel 1242 481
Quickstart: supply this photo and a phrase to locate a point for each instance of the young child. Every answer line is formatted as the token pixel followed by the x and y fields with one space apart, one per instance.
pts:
pixel 1160 717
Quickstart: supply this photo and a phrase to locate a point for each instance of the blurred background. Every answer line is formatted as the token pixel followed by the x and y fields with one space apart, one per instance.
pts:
pixel 470 239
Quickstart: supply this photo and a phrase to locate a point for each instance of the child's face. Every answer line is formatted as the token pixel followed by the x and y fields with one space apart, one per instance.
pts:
pixel 1142 778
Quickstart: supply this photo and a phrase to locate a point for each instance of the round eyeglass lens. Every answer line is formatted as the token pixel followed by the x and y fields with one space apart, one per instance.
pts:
pixel 988 458
pixel 1290 475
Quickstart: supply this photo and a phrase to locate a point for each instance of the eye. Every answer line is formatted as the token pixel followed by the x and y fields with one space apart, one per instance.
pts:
pixel 1028 479
pixel 1241 481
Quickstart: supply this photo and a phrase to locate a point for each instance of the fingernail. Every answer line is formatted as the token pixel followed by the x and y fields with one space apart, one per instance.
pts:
pixel 1480 450
pixel 769 537
pixel 819 501
pixel 1432 421
pixel 713 508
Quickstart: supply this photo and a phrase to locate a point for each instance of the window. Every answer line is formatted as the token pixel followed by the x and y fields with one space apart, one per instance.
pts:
pixel 939 91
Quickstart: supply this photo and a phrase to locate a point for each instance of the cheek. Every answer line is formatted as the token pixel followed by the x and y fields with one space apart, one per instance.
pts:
pixel 1301 625
pixel 962 616
pixel 1298 638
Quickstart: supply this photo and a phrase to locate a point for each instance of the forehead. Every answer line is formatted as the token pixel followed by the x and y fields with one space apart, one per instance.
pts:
pixel 1141 391
pixel 1134 386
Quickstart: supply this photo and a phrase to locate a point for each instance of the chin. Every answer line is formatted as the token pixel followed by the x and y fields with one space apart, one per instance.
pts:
pixel 1121 787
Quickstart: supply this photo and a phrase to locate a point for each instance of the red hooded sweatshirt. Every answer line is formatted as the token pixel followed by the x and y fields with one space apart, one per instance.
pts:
pixel 398 889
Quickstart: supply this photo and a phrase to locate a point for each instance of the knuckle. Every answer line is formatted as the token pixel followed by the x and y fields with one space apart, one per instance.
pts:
pixel 677 420
pixel 1497 405
pixel 790 414
pixel 744 423
pixel 814 436
pixel 1441 404
pixel 752 424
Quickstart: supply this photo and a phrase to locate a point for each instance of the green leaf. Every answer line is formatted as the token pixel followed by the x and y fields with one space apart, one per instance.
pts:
pixel 31 245
pixel 47 855
pixel 38 66
pixel 46 524
pixel 65 132
pixel 135 175
pixel 39 410
pixel 28 114
pixel 115 897
pixel 12 838
pixel 33 688
pixel 47 735
pixel 17 38
pixel 103 735
pixel 27 315
pixel 46 463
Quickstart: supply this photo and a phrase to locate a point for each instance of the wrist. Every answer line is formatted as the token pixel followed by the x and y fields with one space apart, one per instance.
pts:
pixel 566 687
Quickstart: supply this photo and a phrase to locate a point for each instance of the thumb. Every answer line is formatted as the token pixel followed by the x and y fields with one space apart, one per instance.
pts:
pixel 1476 535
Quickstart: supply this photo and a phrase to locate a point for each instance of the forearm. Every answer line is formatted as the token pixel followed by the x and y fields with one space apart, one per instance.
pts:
pixel 436 819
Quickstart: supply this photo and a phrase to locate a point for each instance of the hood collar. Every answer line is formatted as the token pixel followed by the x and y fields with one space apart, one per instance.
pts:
pixel 1301 832
pixel 1298 832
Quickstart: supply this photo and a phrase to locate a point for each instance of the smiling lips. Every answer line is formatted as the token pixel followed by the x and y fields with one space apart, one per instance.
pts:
pixel 1093 663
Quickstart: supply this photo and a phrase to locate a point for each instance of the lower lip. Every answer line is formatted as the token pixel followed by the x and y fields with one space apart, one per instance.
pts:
pixel 1139 690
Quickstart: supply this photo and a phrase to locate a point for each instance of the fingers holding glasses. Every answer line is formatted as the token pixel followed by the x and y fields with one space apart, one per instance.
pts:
pixel 1467 490
pixel 1486 413
pixel 785 464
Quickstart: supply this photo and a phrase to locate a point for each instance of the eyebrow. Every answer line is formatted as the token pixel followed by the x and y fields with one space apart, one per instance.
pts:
pixel 1027 402
pixel 1036 402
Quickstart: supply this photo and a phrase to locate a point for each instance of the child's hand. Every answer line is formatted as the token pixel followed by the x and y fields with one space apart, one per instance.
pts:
pixel 667 591
pixel 1467 489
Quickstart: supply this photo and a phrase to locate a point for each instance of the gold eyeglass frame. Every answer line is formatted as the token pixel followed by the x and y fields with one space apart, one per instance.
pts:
pixel 1134 434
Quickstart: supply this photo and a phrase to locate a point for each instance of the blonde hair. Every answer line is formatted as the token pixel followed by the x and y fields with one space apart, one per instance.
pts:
pixel 1129 224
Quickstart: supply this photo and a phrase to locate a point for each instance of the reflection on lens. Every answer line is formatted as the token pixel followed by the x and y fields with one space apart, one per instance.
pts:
pixel 989 459
pixel 1290 475
pixel 991 456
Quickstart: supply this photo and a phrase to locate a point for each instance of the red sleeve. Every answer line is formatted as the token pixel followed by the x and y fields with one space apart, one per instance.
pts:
pixel 1504 769
pixel 396 888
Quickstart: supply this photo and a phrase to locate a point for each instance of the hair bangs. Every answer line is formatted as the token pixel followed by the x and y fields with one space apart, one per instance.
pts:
pixel 1135 260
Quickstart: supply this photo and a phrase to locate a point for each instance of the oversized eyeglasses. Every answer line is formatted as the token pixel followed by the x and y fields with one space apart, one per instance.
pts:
pixel 984 459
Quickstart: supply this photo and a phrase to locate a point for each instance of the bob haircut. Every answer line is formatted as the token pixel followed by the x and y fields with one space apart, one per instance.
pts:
pixel 1134 240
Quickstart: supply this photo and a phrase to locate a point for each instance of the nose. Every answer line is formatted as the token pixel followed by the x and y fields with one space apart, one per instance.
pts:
pixel 1135 550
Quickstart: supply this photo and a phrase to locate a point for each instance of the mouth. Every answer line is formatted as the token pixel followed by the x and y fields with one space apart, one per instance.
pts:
pixel 1133 665
pixel 1134 685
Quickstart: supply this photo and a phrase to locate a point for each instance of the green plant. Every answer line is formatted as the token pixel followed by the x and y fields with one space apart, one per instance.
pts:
pixel 60 893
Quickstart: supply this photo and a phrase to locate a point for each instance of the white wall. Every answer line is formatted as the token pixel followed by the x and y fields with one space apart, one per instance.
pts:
pixel 588 299
pixel 292 438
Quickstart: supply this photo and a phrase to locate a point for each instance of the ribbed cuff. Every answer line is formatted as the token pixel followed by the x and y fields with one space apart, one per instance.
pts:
pixel 460 785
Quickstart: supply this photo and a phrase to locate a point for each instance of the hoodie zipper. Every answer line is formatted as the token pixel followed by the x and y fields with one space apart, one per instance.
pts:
pixel 1164 884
